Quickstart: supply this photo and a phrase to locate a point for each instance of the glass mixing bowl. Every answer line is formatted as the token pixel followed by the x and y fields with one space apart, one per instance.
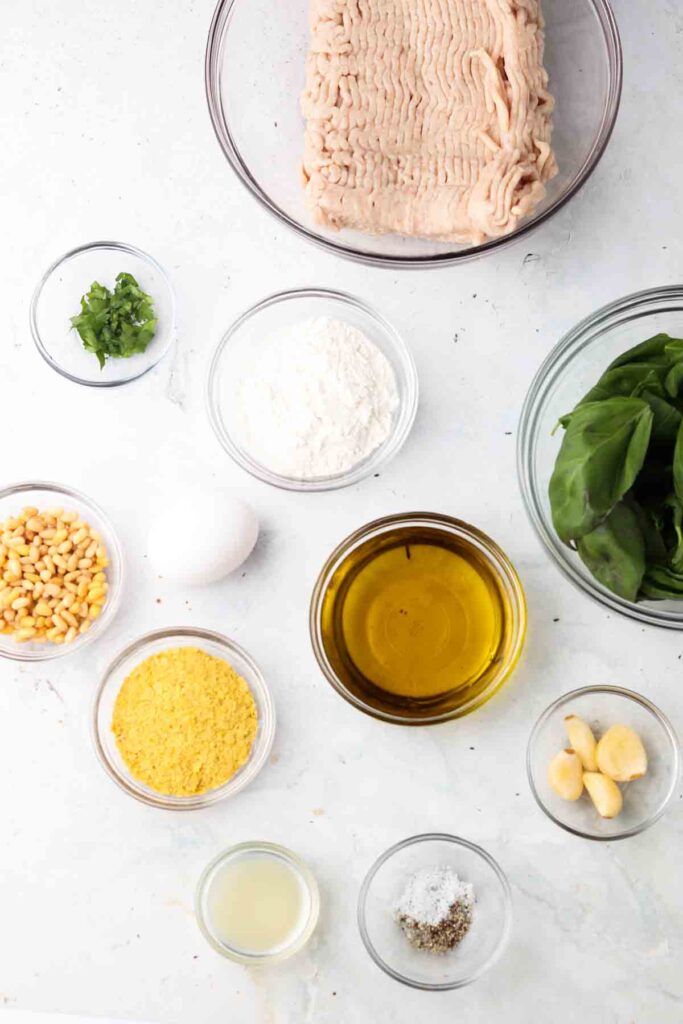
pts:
pixel 491 917
pixel 153 643
pixel 645 799
pixel 58 297
pixel 239 349
pixel 333 660
pixel 43 496
pixel 254 75
pixel 571 369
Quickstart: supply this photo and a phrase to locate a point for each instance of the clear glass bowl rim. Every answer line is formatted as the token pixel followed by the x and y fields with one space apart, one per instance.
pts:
pixel 258 757
pixel 442 837
pixel 648 706
pixel 212 77
pixel 496 557
pixel 49 652
pixel 307 876
pixel 404 420
pixel 79 250
pixel 552 367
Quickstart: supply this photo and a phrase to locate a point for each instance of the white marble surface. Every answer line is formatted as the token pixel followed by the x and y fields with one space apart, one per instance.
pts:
pixel 106 134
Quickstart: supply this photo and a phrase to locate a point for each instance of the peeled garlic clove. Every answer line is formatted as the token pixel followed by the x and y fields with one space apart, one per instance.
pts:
pixel 621 754
pixel 604 793
pixel 582 741
pixel 564 774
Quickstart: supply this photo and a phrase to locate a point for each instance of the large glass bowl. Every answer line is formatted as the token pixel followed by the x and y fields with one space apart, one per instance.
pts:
pixel 331 660
pixel 491 917
pixel 645 799
pixel 255 76
pixel 241 348
pixel 571 369
pixel 217 646
pixel 43 496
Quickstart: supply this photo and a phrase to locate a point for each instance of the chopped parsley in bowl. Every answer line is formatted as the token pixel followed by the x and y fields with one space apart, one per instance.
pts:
pixel 116 324
pixel 126 319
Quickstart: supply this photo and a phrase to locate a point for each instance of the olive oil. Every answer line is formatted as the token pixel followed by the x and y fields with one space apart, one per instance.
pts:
pixel 416 620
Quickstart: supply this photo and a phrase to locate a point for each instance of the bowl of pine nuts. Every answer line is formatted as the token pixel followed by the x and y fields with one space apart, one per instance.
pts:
pixel 61 571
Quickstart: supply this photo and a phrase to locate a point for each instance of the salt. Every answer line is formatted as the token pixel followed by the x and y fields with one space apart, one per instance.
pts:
pixel 430 894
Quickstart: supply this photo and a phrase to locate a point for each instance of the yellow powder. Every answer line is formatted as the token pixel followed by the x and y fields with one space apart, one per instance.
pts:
pixel 184 721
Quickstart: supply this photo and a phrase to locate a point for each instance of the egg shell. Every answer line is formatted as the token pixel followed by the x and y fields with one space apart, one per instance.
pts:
pixel 201 537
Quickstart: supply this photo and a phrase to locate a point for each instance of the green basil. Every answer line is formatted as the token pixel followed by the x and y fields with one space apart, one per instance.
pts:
pixel 615 552
pixel 673 381
pixel 616 492
pixel 666 417
pixel 602 452
pixel 625 381
pixel 662 583
pixel 678 466
pixel 656 552
pixel 652 350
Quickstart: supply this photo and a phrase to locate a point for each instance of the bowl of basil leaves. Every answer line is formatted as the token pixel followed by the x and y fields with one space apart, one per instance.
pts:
pixel 103 314
pixel 600 456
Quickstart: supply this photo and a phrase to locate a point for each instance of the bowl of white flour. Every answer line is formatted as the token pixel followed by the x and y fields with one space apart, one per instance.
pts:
pixel 312 390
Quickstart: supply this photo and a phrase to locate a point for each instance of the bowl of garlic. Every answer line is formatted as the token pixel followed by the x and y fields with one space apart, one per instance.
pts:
pixel 603 762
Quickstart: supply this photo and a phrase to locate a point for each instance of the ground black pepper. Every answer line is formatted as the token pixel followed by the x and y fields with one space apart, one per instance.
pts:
pixel 438 938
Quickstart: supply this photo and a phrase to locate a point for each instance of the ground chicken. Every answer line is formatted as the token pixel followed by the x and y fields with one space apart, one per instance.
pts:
pixel 429 118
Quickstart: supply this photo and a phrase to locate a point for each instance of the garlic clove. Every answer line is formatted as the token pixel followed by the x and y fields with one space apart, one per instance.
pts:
pixel 565 774
pixel 583 741
pixel 604 793
pixel 621 754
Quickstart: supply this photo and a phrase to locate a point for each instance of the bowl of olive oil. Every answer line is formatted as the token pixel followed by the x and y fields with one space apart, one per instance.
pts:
pixel 417 618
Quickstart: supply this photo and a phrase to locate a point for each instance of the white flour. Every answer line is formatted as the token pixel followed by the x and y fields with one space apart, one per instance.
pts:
pixel 320 399
pixel 430 893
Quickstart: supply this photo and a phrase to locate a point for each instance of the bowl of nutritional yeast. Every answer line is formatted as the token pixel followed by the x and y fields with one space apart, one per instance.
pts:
pixel 413 188
pixel 600 456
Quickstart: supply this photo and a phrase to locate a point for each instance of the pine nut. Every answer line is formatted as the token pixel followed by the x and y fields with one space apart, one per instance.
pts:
pixel 52 584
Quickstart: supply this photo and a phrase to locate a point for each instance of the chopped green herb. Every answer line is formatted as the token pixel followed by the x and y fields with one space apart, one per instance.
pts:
pixel 116 324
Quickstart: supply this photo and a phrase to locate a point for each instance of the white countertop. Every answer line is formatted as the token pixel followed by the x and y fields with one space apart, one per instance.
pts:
pixel 106 134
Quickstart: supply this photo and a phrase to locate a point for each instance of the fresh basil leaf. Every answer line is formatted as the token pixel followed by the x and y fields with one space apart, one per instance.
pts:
pixel 674 380
pixel 666 417
pixel 653 350
pixel 662 583
pixel 602 452
pixel 678 466
pixel 649 524
pixel 674 349
pixel 614 552
pixel 624 381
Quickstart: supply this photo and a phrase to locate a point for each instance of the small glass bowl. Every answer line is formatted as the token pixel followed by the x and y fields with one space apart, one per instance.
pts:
pixel 242 851
pixel 153 643
pixel 58 297
pixel 240 347
pixel 257 49
pixel 645 800
pixel 567 374
pixel 43 495
pixel 491 916
pixel 510 587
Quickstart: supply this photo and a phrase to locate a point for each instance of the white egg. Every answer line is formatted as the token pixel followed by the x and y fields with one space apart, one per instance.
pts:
pixel 201 537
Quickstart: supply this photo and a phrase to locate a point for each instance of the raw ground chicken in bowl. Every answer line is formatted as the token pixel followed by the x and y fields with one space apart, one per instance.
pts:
pixel 427 118
pixel 301 47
